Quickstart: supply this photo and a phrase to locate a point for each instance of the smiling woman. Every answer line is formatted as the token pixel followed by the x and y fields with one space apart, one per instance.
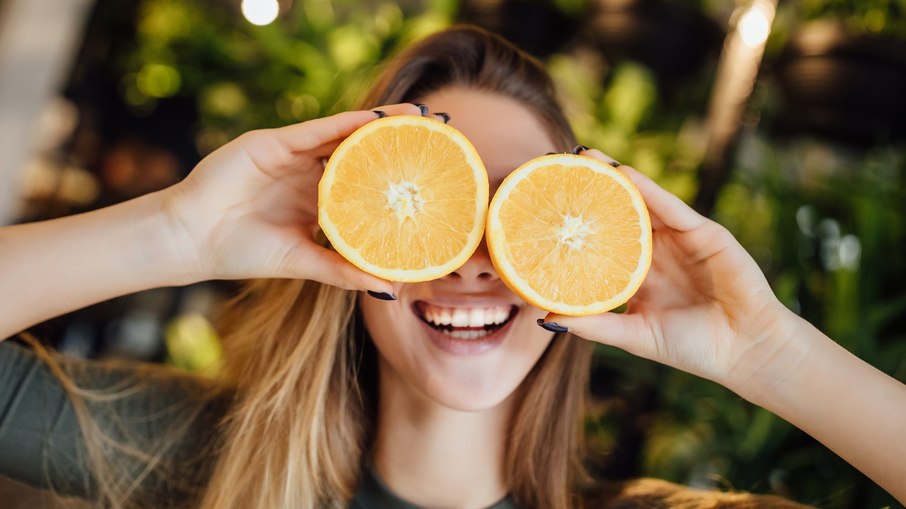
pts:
pixel 440 393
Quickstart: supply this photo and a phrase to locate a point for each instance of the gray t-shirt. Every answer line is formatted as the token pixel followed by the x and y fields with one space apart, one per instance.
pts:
pixel 41 443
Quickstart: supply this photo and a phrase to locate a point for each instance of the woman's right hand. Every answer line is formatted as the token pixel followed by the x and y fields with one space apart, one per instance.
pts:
pixel 250 208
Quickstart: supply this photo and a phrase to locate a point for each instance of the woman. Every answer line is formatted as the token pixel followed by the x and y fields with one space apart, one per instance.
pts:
pixel 333 397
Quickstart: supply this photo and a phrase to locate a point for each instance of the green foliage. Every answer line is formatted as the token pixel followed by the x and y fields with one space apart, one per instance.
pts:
pixel 825 225
pixel 868 16
pixel 316 59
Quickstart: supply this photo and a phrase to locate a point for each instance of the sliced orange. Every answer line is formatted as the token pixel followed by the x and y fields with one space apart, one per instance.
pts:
pixel 404 198
pixel 570 234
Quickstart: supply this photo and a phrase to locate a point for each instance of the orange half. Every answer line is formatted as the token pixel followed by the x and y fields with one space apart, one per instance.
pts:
pixel 570 234
pixel 404 198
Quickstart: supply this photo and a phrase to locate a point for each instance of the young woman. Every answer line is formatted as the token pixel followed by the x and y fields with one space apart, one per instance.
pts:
pixel 334 397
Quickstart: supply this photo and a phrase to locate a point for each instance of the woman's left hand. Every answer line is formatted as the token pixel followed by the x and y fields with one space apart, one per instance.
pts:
pixel 705 307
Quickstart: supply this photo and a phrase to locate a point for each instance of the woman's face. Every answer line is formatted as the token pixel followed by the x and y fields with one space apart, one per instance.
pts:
pixel 448 364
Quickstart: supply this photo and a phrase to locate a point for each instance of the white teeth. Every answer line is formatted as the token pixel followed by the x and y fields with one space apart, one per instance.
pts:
pixel 465 317
pixel 461 318
pixel 477 318
pixel 467 334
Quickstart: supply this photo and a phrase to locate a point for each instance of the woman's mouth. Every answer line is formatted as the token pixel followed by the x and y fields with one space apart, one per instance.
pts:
pixel 465 323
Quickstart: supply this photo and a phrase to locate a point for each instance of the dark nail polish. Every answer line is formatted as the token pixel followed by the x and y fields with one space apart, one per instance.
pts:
pixel 445 116
pixel 615 164
pixel 551 154
pixel 379 113
pixel 579 149
pixel 552 326
pixel 382 295
pixel 422 108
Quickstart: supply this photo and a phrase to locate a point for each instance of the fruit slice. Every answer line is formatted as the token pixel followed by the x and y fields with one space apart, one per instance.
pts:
pixel 404 198
pixel 570 234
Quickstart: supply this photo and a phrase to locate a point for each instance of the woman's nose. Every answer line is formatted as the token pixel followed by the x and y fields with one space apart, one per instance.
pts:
pixel 477 268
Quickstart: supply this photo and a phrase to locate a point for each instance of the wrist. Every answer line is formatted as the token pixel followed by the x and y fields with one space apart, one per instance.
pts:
pixel 165 246
pixel 770 357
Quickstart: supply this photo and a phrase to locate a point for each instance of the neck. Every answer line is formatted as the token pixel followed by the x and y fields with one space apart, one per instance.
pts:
pixel 433 456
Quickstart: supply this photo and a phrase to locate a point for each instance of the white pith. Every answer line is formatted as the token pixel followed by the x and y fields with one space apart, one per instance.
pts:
pixel 404 199
pixel 573 231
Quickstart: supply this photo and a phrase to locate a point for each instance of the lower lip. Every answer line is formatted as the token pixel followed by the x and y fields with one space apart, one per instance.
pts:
pixel 467 347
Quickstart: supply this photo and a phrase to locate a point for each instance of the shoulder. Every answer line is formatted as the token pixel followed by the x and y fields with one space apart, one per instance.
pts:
pixel 655 494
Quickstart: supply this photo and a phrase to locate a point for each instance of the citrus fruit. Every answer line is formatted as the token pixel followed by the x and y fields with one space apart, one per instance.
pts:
pixel 404 198
pixel 570 234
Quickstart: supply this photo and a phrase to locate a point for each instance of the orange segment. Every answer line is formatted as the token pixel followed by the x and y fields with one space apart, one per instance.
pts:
pixel 404 198
pixel 570 234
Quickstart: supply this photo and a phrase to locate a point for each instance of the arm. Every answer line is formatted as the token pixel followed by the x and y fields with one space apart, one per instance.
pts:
pixel 706 308
pixel 247 210
pixel 54 267
pixel 854 409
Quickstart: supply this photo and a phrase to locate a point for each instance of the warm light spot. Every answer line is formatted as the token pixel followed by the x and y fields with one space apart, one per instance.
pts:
pixel 260 12
pixel 754 27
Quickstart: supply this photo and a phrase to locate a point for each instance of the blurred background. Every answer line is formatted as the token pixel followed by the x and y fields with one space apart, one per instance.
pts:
pixel 786 123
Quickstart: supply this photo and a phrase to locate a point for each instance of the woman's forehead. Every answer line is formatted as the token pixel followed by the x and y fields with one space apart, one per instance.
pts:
pixel 504 132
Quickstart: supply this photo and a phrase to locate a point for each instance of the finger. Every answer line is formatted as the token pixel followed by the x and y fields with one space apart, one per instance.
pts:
pixel 330 268
pixel 407 109
pixel 390 110
pixel 668 209
pixel 320 137
pixel 627 332
pixel 326 149
pixel 315 133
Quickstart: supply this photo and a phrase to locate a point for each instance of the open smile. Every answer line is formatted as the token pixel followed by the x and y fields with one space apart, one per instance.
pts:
pixel 465 323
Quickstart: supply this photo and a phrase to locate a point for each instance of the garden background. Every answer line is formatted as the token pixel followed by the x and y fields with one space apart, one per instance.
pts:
pixel 789 129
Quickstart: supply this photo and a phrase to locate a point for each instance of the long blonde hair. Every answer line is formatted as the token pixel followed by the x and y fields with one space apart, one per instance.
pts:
pixel 304 368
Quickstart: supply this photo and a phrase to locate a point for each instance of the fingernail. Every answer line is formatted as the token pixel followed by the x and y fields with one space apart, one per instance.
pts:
pixel 444 116
pixel 379 113
pixel 579 148
pixel 615 164
pixel 382 295
pixel 551 154
pixel 422 108
pixel 552 326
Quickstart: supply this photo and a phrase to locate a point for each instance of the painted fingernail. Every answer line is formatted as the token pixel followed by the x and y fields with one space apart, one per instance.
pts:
pixel 379 113
pixel 615 164
pixel 552 326
pixel 579 149
pixel 422 108
pixel 551 154
pixel 382 295
pixel 444 116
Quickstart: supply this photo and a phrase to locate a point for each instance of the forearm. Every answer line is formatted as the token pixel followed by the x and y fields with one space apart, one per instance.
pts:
pixel 854 409
pixel 54 267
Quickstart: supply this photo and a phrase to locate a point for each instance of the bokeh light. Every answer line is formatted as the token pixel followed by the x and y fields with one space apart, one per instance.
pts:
pixel 260 12
pixel 754 27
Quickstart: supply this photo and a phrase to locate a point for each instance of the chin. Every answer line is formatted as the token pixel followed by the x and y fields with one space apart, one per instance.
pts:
pixel 465 354
pixel 468 399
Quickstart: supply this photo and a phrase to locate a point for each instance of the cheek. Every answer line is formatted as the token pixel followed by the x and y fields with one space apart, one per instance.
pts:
pixel 529 341
pixel 383 322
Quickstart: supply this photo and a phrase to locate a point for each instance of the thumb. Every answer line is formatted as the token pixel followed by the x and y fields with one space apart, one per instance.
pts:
pixel 330 268
pixel 629 332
